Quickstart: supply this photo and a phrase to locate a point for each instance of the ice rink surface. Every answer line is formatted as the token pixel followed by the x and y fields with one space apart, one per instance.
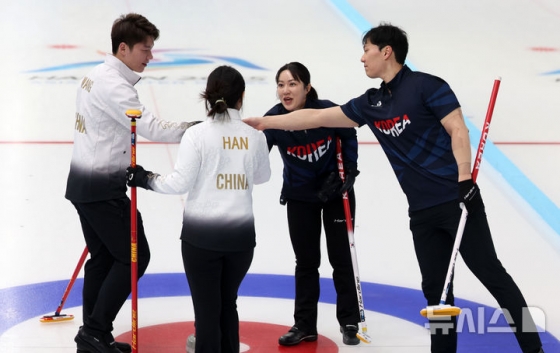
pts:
pixel 50 45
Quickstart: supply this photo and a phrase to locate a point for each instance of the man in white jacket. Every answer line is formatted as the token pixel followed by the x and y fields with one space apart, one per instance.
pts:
pixel 96 184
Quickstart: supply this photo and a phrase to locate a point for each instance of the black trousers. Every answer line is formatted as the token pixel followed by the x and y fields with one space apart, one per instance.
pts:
pixel 106 229
pixel 304 222
pixel 434 230
pixel 214 278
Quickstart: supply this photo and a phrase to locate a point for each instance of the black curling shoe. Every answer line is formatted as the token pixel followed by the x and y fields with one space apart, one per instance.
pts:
pixel 121 346
pixel 349 335
pixel 90 344
pixel 296 336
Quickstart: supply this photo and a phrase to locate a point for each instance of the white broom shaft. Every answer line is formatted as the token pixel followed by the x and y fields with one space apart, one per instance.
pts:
pixel 454 254
pixel 353 254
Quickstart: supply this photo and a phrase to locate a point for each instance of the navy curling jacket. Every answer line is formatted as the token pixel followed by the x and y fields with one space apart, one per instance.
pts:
pixel 309 156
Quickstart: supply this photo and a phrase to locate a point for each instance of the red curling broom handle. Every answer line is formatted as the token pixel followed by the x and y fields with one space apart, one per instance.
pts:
pixel 133 115
pixel 72 280
pixel 485 128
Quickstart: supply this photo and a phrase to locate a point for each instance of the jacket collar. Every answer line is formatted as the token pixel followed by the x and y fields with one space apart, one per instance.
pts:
pixel 397 79
pixel 129 75
pixel 234 114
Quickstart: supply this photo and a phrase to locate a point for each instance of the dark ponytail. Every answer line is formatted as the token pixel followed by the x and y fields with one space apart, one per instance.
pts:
pixel 224 88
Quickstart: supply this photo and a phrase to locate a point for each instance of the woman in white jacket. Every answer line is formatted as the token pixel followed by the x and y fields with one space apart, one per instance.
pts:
pixel 218 163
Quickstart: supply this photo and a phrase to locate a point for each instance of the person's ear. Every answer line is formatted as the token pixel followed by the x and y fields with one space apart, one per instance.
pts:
pixel 120 50
pixel 240 101
pixel 387 51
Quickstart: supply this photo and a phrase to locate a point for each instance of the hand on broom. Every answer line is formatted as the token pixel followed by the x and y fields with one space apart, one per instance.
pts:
pixel 139 177
pixel 469 195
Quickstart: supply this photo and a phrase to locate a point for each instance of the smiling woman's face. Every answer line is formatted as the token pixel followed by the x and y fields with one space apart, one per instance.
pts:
pixel 291 92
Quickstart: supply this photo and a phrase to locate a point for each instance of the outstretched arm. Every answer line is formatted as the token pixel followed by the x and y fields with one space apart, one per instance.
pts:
pixel 303 119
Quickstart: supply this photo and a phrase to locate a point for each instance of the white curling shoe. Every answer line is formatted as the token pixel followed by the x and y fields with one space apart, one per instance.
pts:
pixel 191 341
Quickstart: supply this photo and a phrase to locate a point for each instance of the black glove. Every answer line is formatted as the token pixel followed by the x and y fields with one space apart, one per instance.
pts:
pixel 138 177
pixel 350 178
pixel 469 194
pixel 330 186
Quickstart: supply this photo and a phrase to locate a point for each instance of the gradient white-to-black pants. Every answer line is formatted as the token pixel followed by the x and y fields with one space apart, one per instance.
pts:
pixel 214 278
pixel 434 230
pixel 304 221
pixel 106 229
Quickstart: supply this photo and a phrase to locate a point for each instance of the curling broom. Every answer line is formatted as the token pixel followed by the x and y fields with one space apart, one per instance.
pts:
pixel 362 332
pixel 57 316
pixel 443 309
pixel 133 114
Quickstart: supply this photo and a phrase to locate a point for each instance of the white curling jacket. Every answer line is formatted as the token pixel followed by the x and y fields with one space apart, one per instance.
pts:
pixel 218 163
pixel 102 136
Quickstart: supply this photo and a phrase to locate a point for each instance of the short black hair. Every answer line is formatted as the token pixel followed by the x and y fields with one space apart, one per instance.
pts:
pixel 393 36
pixel 131 29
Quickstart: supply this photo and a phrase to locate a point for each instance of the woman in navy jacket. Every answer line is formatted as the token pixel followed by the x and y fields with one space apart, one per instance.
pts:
pixel 312 192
